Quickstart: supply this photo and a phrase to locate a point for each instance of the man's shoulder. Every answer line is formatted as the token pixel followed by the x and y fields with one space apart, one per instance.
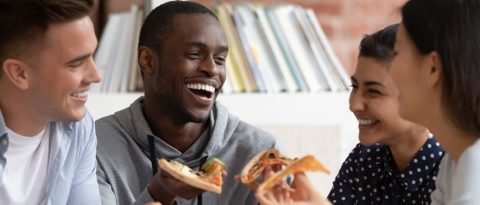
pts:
pixel 250 131
pixel 112 123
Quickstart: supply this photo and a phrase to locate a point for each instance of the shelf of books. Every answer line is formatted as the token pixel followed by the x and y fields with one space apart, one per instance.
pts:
pixel 272 49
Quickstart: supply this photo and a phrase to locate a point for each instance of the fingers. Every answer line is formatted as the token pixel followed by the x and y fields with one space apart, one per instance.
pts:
pixel 153 203
pixel 302 181
pixel 252 185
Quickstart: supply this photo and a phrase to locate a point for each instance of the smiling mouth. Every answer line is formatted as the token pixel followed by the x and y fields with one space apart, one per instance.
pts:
pixel 80 94
pixel 202 90
pixel 367 122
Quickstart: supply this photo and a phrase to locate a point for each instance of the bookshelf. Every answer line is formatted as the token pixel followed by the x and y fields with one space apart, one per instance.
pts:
pixel 317 123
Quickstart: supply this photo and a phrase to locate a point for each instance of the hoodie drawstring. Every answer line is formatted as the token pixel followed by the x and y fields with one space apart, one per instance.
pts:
pixel 202 161
pixel 153 158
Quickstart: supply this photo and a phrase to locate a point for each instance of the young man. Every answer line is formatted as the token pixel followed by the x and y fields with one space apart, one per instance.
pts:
pixel 47 139
pixel 182 52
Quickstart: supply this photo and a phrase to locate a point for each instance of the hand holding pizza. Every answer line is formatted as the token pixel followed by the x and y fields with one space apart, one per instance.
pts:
pixel 301 192
pixel 164 188
pixel 175 179
pixel 273 190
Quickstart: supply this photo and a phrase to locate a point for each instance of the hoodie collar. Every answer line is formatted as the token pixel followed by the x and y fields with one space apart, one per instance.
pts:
pixel 221 127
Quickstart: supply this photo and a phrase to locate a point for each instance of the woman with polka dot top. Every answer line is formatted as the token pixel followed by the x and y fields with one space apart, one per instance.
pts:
pixel 396 161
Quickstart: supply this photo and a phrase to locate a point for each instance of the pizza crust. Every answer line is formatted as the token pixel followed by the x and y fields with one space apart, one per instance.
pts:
pixel 307 163
pixel 184 174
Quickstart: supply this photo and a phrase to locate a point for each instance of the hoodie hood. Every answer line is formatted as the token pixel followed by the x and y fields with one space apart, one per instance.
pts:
pixel 220 131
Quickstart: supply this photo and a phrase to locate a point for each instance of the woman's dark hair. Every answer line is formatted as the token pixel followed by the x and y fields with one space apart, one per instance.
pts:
pixel 451 28
pixel 379 45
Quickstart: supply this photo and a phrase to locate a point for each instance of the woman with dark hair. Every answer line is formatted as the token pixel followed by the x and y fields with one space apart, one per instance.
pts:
pixel 436 68
pixel 392 162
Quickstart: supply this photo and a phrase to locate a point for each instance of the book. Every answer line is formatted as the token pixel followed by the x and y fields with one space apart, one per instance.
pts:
pixel 104 56
pixel 135 74
pixel 240 27
pixel 121 66
pixel 301 52
pixel 232 64
pixel 341 74
pixel 258 47
pixel 236 49
pixel 287 53
pixel 281 63
pixel 313 43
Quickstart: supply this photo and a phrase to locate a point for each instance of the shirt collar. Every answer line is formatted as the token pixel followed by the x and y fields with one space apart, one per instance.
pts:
pixel 416 172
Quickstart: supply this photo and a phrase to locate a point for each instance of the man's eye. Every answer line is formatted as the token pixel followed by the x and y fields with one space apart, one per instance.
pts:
pixel 374 92
pixel 193 55
pixel 220 60
pixel 76 64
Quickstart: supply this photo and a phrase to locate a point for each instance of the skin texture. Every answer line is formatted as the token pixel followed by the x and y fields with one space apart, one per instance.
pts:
pixel 418 78
pixel 45 87
pixel 194 53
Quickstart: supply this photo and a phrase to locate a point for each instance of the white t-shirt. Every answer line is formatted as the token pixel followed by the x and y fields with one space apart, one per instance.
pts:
pixel 25 174
pixel 459 183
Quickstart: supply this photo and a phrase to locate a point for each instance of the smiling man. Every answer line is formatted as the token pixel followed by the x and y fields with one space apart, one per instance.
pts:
pixel 47 139
pixel 182 51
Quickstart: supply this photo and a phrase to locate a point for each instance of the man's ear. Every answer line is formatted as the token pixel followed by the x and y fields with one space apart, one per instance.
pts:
pixel 16 72
pixel 436 68
pixel 146 60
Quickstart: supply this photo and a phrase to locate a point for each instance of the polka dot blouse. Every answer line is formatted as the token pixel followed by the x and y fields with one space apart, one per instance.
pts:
pixel 369 176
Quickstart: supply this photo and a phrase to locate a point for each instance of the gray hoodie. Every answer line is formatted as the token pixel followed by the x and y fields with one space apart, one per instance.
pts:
pixel 124 168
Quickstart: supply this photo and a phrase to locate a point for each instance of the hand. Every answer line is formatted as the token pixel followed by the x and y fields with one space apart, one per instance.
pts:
pixel 164 188
pixel 302 192
pixel 153 203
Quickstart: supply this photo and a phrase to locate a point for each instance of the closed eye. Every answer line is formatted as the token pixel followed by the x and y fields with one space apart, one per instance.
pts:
pixel 220 60
pixel 193 55
pixel 76 64
pixel 374 92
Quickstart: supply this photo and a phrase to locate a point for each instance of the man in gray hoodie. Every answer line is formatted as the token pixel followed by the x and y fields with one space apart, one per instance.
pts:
pixel 182 51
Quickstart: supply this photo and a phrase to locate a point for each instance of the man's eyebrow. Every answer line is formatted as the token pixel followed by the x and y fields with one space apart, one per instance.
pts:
pixel 203 45
pixel 373 83
pixel 79 58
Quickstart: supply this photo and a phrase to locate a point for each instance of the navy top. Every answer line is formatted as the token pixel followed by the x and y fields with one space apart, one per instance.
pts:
pixel 370 176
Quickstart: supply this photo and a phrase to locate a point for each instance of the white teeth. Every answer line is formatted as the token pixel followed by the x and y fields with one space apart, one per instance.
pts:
pixel 80 94
pixel 204 87
pixel 366 122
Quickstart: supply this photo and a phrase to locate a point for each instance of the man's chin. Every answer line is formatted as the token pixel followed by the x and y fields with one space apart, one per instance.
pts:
pixel 77 115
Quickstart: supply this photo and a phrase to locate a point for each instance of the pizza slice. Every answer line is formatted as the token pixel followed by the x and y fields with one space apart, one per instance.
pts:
pixel 307 163
pixel 209 178
pixel 257 164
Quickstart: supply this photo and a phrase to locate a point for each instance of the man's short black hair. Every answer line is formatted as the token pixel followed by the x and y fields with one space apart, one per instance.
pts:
pixel 159 24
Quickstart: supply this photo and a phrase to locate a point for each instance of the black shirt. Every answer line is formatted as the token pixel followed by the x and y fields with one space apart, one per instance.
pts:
pixel 370 176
